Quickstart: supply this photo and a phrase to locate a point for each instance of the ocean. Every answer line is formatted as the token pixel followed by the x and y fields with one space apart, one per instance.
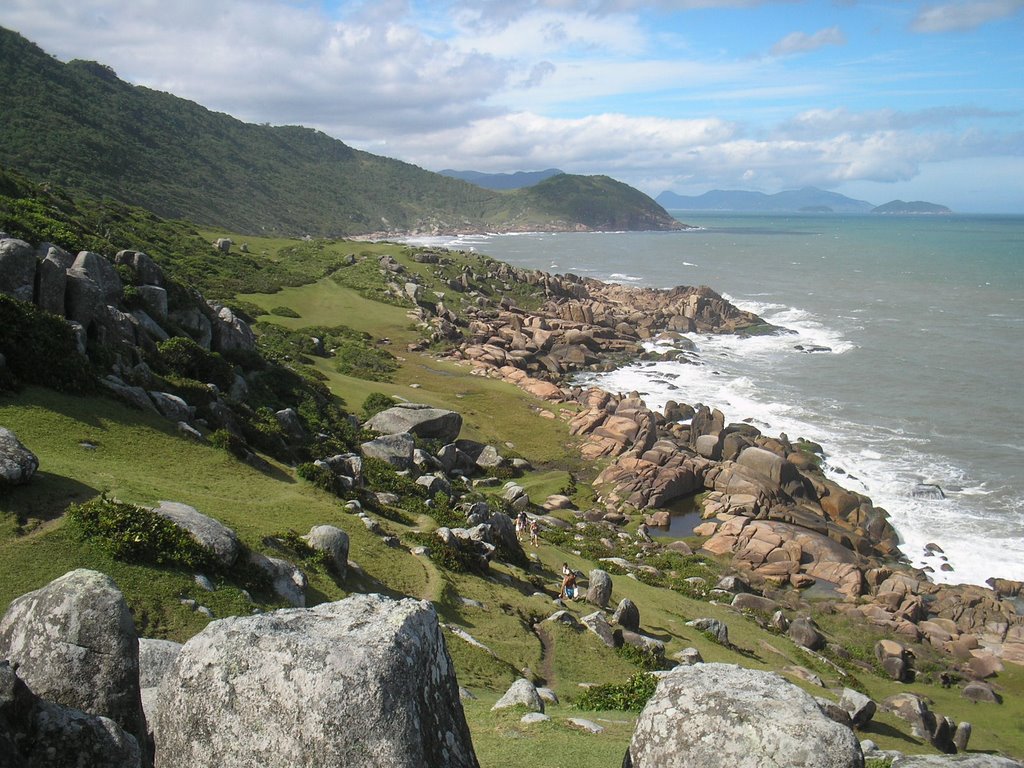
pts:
pixel 918 377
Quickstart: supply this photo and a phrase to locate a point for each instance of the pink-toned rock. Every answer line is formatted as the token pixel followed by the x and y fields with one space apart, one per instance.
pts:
pixel 705 529
pixel 801 580
pixel 719 544
pixel 984 665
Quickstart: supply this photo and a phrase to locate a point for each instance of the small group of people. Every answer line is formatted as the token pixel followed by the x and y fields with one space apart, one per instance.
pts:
pixel 569 588
pixel 524 525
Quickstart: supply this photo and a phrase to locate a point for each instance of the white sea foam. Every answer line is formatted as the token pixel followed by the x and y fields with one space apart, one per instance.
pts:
pixel 619 277
pixel 882 462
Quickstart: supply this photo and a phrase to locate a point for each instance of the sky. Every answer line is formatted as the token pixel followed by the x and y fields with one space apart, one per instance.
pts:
pixel 878 99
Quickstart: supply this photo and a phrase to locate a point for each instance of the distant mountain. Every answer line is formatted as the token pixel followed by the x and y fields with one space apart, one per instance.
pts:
pixel 81 127
pixel 501 181
pixel 917 207
pixel 808 199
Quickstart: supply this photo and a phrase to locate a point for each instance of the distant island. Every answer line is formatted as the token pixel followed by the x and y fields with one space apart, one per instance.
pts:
pixel 914 208
pixel 806 200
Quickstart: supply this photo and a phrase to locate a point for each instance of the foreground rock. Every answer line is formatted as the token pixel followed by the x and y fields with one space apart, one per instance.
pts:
pixel 34 732
pixel 74 644
pixel 366 681
pixel 713 715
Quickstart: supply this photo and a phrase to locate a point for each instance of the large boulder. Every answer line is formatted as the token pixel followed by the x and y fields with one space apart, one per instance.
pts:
pixel 17 269
pixel 522 693
pixel 35 733
pixel 712 715
pixel 333 542
pixel 219 540
pixel 102 273
pixel 804 632
pixel 421 420
pixel 286 580
pixel 954 761
pixel 156 657
pixel 363 682
pixel 75 645
pixel 599 588
pixel 230 332
pixel 396 450
pixel 17 463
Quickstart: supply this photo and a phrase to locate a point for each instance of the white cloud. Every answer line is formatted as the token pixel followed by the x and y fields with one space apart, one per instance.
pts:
pixel 969 14
pixel 801 42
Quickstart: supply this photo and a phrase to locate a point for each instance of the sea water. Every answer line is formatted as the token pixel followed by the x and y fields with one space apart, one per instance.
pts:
pixel 919 374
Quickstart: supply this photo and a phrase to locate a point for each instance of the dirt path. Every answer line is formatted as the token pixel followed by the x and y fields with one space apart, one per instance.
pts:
pixel 547 662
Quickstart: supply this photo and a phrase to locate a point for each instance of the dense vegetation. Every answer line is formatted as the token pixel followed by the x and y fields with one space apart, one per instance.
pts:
pixel 80 126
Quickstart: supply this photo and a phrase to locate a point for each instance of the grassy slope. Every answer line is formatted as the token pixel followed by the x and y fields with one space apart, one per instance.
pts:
pixel 140 459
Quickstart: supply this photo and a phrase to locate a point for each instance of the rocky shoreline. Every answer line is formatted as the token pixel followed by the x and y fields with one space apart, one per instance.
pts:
pixel 766 503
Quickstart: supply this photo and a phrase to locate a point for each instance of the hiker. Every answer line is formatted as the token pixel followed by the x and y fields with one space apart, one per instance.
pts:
pixel 521 524
pixel 535 533
pixel 568 581
pixel 569 585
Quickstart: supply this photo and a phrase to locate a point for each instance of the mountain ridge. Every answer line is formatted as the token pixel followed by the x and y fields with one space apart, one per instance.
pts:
pixel 501 181
pixel 80 126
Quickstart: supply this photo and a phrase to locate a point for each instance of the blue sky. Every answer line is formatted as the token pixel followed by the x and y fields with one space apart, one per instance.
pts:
pixel 877 100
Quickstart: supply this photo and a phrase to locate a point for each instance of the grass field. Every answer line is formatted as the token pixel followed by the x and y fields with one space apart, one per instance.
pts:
pixel 88 446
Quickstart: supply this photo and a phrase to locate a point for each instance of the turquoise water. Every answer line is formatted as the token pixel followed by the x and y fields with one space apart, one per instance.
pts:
pixel 923 377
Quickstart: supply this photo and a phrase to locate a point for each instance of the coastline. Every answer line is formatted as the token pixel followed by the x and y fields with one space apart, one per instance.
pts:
pixel 766 503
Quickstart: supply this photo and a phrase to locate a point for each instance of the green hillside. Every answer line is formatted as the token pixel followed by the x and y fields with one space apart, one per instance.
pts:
pixel 79 126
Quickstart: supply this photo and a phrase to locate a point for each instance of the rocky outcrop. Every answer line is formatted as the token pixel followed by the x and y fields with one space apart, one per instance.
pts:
pixel 396 450
pixel 17 463
pixel 366 681
pixel 710 715
pixel 417 419
pixel 74 644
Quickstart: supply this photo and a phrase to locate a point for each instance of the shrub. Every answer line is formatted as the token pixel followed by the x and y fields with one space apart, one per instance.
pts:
pixel 446 556
pixel 630 696
pixel 229 442
pixel 182 356
pixel 296 545
pixel 318 475
pixel 284 312
pixel 647 660
pixel 381 476
pixel 40 348
pixel 136 534
pixel 364 361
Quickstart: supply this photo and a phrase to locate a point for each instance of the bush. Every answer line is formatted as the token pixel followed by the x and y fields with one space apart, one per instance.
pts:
pixel 40 348
pixel 630 696
pixel 381 476
pixel 376 402
pixel 318 475
pixel 647 660
pixel 364 361
pixel 446 556
pixel 137 535
pixel 182 356
pixel 284 312
pixel 229 442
